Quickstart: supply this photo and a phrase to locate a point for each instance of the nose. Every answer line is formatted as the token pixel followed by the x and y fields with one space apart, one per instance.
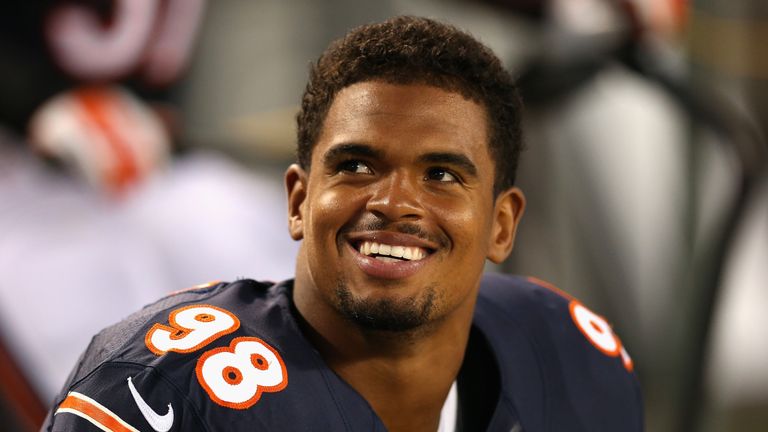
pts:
pixel 396 197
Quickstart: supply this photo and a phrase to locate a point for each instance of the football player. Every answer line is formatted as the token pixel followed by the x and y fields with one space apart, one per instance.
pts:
pixel 408 140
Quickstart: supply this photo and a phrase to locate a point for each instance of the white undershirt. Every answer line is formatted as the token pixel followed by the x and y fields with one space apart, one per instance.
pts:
pixel 450 411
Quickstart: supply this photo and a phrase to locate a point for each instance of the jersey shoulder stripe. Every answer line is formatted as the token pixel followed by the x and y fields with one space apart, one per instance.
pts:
pixel 94 412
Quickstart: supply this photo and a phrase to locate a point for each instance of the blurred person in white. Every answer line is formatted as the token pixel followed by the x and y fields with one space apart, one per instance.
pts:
pixel 109 218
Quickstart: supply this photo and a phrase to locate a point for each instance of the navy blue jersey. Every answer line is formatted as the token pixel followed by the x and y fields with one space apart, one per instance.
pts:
pixel 231 357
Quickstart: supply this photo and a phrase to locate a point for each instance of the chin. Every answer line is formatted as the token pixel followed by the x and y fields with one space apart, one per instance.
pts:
pixel 387 313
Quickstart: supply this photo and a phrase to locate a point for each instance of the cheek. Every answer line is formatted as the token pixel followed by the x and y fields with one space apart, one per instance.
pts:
pixel 466 222
pixel 328 201
pixel 329 210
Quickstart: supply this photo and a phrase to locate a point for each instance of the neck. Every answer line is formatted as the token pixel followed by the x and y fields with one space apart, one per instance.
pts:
pixel 404 376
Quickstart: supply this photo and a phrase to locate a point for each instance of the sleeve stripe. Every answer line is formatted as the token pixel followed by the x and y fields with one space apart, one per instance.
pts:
pixel 87 408
pixel 551 287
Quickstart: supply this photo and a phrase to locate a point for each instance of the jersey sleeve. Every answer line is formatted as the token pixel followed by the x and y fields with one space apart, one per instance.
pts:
pixel 565 368
pixel 598 374
pixel 124 397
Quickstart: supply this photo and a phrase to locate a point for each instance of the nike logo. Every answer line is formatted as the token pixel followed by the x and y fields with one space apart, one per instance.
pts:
pixel 160 423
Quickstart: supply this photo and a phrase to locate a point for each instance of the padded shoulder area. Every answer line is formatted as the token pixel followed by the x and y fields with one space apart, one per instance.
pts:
pixel 563 366
pixel 516 290
pixel 112 340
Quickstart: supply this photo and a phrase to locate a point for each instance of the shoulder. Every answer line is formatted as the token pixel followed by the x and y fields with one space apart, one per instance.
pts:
pixel 576 365
pixel 209 358
pixel 220 299
pixel 528 301
pixel 170 354
pixel 516 290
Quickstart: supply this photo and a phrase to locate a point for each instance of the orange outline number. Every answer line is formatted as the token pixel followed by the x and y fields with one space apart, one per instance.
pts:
pixel 595 328
pixel 599 333
pixel 191 328
pixel 626 359
pixel 237 375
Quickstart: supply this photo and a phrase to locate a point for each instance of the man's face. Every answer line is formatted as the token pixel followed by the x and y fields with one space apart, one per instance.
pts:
pixel 397 213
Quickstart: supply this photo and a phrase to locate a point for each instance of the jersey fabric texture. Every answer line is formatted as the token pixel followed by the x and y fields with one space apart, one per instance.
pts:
pixel 231 356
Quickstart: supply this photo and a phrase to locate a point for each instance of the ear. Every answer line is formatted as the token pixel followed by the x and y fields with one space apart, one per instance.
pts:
pixel 507 212
pixel 296 186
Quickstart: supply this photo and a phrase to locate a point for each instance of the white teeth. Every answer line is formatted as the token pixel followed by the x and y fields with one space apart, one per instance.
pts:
pixel 411 253
pixel 408 253
pixel 387 259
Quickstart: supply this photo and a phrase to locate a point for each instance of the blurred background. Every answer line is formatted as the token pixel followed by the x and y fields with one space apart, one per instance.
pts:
pixel 142 145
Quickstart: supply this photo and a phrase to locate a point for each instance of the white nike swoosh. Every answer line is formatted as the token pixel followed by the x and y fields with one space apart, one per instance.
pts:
pixel 160 423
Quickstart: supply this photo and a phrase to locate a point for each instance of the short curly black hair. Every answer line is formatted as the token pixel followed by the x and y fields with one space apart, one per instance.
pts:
pixel 414 50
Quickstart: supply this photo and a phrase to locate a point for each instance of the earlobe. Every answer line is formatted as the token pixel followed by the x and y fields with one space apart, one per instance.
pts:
pixel 508 210
pixel 296 187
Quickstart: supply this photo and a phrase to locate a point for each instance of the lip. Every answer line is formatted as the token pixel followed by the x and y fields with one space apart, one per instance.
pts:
pixel 393 238
pixel 389 270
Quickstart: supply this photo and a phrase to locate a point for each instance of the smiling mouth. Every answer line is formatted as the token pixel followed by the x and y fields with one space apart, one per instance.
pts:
pixel 390 252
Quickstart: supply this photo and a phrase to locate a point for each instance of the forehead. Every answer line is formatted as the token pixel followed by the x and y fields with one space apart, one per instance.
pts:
pixel 407 115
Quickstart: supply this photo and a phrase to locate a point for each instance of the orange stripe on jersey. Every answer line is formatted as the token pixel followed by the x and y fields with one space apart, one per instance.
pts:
pixel 550 287
pixel 87 408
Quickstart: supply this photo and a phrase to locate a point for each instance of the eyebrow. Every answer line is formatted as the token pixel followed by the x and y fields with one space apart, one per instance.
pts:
pixel 350 149
pixel 455 159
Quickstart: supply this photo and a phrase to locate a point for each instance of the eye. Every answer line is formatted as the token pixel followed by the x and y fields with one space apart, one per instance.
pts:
pixel 354 166
pixel 441 175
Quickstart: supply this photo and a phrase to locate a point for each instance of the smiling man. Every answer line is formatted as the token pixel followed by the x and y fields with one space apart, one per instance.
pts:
pixel 408 140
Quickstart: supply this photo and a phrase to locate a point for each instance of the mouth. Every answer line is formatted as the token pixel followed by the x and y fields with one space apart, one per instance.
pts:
pixel 387 255
pixel 391 252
